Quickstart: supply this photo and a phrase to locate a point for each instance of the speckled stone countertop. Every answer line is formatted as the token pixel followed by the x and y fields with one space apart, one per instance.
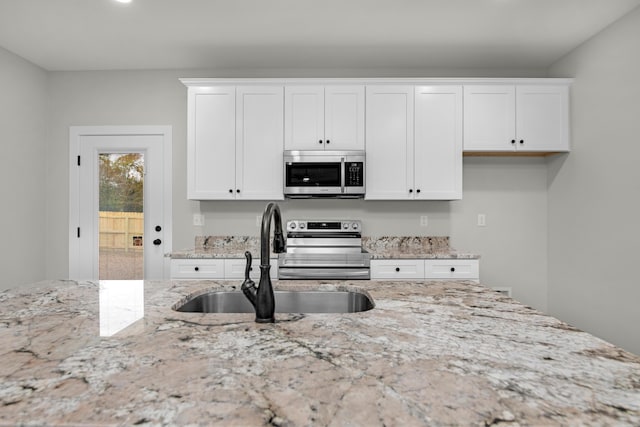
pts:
pixel 429 353
pixel 383 247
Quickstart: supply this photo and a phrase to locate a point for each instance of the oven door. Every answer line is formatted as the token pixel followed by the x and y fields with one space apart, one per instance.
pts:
pixel 305 178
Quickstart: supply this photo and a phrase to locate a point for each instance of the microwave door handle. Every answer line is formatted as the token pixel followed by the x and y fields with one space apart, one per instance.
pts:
pixel 342 174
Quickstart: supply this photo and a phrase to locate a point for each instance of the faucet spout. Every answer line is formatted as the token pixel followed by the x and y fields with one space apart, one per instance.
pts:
pixel 265 300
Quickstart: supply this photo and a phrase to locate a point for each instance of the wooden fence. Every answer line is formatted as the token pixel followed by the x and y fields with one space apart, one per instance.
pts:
pixel 123 231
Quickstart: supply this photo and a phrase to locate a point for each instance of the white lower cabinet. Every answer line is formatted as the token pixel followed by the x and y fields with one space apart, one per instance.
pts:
pixel 466 269
pixel 397 269
pixel 219 269
pixel 430 269
pixel 197 268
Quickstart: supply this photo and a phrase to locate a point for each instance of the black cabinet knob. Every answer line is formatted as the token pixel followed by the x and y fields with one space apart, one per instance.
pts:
pixel 230 191
pixel 522 141
pixel 453 269
pixel 197 269
pixel 513 141
pixel 320 142
pixel 238 190
pixel 397 268
pixel 328 141
pixel 158 228
pixel 418 190
pixel 411 190
pixel 157 242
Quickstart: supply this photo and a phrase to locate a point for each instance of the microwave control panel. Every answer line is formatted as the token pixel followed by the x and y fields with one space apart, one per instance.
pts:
pixel 354 174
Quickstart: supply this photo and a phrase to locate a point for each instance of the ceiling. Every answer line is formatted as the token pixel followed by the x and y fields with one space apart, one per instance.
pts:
pixel 235 34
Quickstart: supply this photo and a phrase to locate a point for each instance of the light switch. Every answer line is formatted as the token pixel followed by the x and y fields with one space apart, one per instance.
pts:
pixel 482 220
pixel 198 220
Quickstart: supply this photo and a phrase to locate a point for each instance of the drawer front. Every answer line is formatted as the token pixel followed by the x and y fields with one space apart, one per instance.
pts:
pixel 397 269
pixel 468 269
pixel 197 269
pixel 234 269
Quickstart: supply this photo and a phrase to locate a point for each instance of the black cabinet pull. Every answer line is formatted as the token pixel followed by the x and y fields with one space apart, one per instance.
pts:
pixel 197 269
pixel 397 268
pixel 320 142
pixel 157 242
pixel 158 228
pixel 328 141
pixel 513 141
pixel 238 190
pixel 453 269
pixel 230 191
pixel 411 190
pixel 418 190
pixel 522 141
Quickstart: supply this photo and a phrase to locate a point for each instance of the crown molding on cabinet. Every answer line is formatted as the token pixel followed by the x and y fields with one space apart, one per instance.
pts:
pixel 378 81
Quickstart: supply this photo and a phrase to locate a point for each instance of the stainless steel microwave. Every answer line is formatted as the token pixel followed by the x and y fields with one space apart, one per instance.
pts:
pixel 318 173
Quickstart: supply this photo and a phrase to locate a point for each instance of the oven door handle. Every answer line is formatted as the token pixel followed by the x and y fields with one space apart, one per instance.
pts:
pixel 342 174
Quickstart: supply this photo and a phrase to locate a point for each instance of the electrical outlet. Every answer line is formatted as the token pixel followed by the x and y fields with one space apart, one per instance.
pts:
pixel 482 220
pixel 198 220
pixel 424 220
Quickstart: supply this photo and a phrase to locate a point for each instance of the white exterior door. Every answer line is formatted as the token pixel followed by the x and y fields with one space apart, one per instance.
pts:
pixel 389 146
pixel 259 142
pixel 87 144
pixel 489 117
pixel 438 142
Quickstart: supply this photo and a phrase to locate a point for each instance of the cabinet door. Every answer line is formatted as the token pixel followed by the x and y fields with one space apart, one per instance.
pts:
pixel 489 118
pixel 344 117
pixel 452 269
pixel 197 269
pixel 438 142
pixel 397 269
pixel 304 117
pixel 542 118
pixel 389 128
pixel 234 269
pixel 259 142
pixel 211 143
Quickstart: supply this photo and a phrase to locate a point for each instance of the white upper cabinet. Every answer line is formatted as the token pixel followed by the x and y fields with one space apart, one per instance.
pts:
pixel 438 142
pixel 324 117
pixel 542 118
pixel 259 142
pixel 389 147
pixel 414 142
pixel 235 142
pixel 527 118
pixel 211 142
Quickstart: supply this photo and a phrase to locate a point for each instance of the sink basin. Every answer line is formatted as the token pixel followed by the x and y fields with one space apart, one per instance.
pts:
pixel 286 302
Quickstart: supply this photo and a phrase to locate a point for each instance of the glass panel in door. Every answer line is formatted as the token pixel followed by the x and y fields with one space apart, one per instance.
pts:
pixel 121 216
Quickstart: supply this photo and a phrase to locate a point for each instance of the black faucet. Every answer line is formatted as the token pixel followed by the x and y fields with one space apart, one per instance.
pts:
pixel 262 298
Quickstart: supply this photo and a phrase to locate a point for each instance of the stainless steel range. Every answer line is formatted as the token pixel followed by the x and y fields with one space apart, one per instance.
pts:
pixel 324 250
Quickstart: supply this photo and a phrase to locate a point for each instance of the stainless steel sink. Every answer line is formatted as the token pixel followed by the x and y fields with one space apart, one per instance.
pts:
pixel 286 302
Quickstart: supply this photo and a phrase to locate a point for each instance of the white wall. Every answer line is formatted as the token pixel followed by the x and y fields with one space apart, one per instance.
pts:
pixel 594 193
pixel 510 191
pixel 23 107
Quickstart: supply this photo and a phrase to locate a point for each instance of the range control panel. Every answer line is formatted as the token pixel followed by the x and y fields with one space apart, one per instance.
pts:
pixel 332 226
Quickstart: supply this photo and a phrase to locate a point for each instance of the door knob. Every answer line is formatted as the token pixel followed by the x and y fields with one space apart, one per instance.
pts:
pixel 157 242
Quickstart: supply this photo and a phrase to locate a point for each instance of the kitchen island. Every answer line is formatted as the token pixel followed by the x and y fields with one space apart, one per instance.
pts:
pixel 429 353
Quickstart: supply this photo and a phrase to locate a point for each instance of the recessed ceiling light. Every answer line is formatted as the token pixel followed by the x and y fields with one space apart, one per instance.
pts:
pixel 123 1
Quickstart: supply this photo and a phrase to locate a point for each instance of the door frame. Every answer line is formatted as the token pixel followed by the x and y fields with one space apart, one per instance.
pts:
pixel 75 135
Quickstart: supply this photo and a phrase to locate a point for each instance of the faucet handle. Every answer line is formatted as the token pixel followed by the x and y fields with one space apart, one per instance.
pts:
pixel 247 268
pixel 249 286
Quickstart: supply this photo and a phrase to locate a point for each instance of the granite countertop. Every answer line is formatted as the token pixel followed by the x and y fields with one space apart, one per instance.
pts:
pixel 429 353
pixel 380 247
